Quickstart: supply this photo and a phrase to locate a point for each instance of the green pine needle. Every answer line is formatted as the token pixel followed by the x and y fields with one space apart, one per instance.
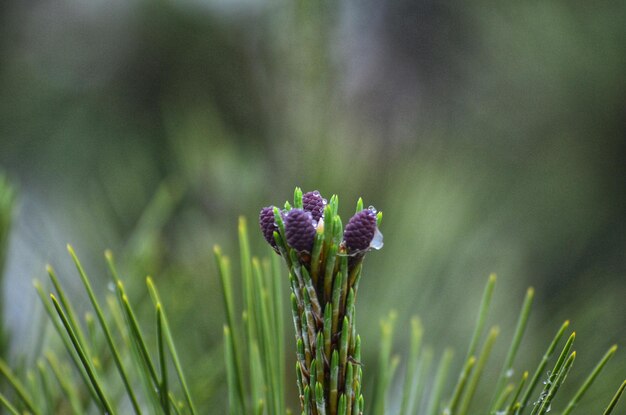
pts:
pixel 460 386
pixel 613 403
pixel 412 368
pixel 590 379
pixel 483 311
pixel 84 358
pixel 480 366
pixel 109 344
pixel 18 387
pixel 156 299
pixel 439 382
pixel 542 365
pixel 5 402
pixel 507 369
pixel 107 332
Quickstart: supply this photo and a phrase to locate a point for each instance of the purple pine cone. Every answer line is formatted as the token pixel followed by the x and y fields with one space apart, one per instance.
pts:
pixel 314 203
pixel 268 225
pixel 299 230
pixel 360 231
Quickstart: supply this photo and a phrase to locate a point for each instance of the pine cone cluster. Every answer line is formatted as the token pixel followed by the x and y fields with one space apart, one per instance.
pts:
pixel 324 262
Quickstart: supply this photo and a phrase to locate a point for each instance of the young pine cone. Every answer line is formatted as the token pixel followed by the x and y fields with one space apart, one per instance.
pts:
pixel 314 202
pixel 360 231
pixel 299 230
pixel 268 225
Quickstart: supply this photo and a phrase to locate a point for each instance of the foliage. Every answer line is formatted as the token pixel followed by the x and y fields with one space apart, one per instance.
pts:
pixel 7 199
pixel 115 343
pixel 423 392
pixel 111 344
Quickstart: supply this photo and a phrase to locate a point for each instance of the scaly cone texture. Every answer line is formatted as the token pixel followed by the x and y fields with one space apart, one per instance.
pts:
pixel 300 230
pixel 314 202
pixel 268 226
pixel 324 272
pixel 360 231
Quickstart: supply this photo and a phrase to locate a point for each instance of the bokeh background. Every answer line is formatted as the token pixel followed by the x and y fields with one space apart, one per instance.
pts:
pixel 492 135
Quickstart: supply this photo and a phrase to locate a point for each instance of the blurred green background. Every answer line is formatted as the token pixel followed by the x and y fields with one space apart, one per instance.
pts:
pixel 492 135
